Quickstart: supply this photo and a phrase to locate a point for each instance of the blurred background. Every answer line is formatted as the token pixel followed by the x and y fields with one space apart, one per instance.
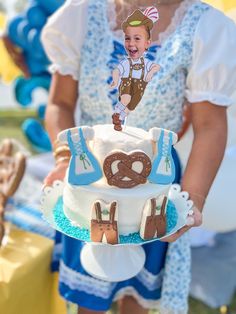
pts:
pixel 22 108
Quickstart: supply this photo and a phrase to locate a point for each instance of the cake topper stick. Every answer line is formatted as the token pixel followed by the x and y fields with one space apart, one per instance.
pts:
pixel 135 71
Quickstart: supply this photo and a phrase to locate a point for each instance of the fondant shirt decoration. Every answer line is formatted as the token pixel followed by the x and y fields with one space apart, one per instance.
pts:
pixel 84 168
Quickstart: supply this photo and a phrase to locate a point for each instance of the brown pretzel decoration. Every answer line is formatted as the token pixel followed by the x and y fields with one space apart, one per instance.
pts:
pixel 12 167
pixel 125 170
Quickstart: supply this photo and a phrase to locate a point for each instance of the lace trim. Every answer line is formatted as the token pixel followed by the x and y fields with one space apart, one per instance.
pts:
pixel 175 21
pixel 146 304
pixel 81 282
pixel 149 280
pixel 130 291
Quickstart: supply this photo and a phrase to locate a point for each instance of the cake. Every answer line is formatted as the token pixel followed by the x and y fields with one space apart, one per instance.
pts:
pixel 117 183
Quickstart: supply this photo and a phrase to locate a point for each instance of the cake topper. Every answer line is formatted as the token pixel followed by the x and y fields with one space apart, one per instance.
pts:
pixel 135 71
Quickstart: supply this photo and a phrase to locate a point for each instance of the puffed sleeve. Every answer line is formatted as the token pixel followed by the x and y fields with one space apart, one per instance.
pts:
pixel 63 37
pixel 212 74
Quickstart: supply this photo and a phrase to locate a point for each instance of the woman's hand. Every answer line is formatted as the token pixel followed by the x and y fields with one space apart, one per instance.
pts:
pixel 58 173
pixel 193 220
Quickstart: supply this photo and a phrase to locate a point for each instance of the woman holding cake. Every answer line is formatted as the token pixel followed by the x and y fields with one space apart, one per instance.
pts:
pixel 84 42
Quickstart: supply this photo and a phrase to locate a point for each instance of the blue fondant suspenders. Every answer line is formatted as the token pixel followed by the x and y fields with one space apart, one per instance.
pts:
pixel 84 167
pixel 163 167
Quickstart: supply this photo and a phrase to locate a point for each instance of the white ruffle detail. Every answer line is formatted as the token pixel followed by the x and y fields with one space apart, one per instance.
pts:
pixel 145 303
pixel 176 19
pixel 214 98
pixel 149 280
pixel 64 70
pixel 81 282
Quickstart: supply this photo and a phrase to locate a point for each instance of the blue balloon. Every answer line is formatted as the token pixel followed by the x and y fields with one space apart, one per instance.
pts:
pixel 50 6
pixel 41 111
pixel 36 135
pixel 35 47
pixel 12 30
pixel 23 30
pixel 24 88
pixel 36 16
pixel 36 67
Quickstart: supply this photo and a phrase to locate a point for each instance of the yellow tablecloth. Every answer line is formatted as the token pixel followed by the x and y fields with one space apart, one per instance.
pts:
pixel 27 285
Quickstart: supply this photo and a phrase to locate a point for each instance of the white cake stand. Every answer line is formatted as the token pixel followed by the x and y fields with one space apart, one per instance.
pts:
pixel 114 262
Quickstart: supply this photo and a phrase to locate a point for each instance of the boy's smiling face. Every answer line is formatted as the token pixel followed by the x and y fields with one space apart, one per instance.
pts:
pixel 136 41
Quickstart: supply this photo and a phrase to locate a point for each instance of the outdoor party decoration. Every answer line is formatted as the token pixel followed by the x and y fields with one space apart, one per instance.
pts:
pixel 23 40
pixel 36 135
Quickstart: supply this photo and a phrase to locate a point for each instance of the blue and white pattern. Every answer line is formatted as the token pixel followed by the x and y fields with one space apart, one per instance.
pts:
pixel 163 99
pixel 168 274
pixel 161 106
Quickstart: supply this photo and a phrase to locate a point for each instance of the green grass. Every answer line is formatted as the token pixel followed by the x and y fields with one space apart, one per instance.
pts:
pixel 10 126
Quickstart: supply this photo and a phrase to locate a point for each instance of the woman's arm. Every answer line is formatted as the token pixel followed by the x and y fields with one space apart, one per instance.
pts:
pixel 210 134
pixel 63 95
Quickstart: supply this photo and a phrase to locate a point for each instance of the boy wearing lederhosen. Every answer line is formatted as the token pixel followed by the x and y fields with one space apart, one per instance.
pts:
pixel 135 71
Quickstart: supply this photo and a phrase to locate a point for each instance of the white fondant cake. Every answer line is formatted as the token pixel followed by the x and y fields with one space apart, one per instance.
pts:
pixel 125 160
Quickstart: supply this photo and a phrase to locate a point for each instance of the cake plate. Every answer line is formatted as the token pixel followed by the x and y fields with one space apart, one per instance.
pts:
pixel 105 261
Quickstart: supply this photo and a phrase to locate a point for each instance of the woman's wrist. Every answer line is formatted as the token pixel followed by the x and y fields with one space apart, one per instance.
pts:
pixel 61 152
pixel 198 200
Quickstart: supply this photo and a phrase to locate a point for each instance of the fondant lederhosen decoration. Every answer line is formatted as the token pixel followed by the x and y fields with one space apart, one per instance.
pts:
pixel 126 176
pixel 133 86
pixel 163 167
pixel 107 227
pixel 153 223
pixel 84 168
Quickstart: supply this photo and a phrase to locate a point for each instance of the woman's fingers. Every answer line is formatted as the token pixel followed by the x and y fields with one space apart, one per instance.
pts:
pixel 193 220
pixel 58 173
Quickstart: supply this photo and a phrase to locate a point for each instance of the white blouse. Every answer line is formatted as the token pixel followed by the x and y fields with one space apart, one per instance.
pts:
pixel 197 58
pixel 211 77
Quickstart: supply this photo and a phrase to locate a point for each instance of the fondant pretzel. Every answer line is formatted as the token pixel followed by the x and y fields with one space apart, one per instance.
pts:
pixel 125 169
pixel 12 167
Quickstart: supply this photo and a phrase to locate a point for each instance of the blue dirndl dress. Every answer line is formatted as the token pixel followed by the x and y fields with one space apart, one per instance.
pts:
pixel 167 268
